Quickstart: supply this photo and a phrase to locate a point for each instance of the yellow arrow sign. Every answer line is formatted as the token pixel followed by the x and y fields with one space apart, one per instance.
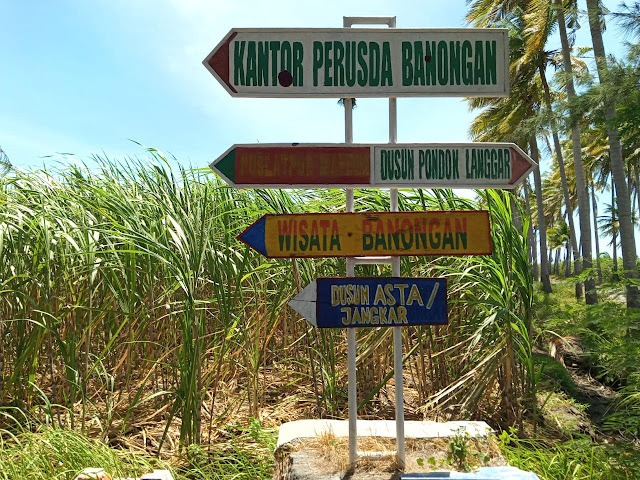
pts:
pixel 371 234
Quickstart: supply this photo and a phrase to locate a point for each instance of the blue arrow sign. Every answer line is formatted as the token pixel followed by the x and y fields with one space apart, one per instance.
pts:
pixel 373 302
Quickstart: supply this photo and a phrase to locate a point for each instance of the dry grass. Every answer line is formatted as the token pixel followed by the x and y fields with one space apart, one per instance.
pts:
pixel 328 453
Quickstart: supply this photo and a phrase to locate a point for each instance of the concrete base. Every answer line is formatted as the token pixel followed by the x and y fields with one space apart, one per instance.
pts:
pixel 318 449
pixel 378 428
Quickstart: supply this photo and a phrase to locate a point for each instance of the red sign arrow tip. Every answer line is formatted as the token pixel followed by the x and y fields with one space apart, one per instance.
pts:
pixel 218 61
pixel 519 166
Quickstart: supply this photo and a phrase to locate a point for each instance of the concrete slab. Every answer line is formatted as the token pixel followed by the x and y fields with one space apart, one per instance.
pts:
pixel 379 428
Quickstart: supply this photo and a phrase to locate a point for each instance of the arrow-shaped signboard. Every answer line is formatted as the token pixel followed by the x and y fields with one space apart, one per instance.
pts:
pixel 362 62
pixel 373 302
pixel 370 234
pixel 430 165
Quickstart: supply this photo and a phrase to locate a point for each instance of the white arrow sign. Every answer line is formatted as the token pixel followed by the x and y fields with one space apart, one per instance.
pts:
pixel 362 62
pixel 373 302
pixel 305 303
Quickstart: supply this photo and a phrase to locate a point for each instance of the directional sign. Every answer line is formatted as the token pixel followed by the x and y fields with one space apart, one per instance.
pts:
pixel 362 62
pixel 465 165
pixel 370 234
pixel 294 165
pixel 373 302
pixel 430 165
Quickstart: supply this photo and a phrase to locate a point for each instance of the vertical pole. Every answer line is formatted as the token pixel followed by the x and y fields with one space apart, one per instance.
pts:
pixel 351 332
pixel 397 331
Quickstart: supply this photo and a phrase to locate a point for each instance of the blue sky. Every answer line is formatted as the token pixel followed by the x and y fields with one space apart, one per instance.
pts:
pixel 83 77
pixel 87 76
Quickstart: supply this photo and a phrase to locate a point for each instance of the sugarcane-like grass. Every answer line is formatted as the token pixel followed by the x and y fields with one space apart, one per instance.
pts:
pixel 129 309
pixel 49 453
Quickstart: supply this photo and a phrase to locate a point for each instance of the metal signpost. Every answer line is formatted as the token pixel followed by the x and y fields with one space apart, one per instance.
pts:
pixel 395 270
pixel 373 302
pixel 429 165
pixel 369 62
pixel 308 235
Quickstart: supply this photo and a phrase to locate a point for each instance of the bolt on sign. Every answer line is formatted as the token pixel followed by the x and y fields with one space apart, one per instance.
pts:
pixel 373 302
pixel 370 234
pixel 362 62
pixel 433 165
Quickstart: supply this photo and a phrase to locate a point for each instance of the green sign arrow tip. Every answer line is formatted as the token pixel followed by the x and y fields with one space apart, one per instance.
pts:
pixel 227 165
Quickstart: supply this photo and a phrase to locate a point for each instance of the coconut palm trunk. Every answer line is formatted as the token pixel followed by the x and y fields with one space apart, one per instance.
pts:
pixel 591 297
pixel 542 223
pixel 577 268
pixel 637 182
pixel 595 230
pixel 623 200
pixel 614 233
pixel 531 235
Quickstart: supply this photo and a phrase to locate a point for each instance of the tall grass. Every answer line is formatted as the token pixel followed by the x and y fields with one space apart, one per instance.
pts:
pixel 125 295
pixel 51 453
pixel 39 452
pixel 490 336
pixel 576 459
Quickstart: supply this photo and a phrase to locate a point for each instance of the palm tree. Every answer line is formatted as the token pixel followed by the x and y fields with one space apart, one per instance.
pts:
pixel 540 21
pixel 597 163
pixel 542 227
pixel 623 199
pixel 508 119
pixel 591 296
pixel 531 233
pixel 559 237
pixel 540 25
pixel 623 88
pixel 610 227
pixel 553 199
pixel 594 205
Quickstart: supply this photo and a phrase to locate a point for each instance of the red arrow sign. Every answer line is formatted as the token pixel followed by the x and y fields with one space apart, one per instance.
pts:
pixel 431 165
pixel 289 165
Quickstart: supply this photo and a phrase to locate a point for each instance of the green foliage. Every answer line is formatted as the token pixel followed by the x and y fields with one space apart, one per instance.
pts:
pixel 627 420
pixel 460 455
pixel 575 460
pixel 554 376
pixel 123 289
pixel 431 461
pixel 609 272
pixel 56 454
pixel 497 293
pixel 128 270
pixel 247 455
pixel 459 450
pixel 614 340
pixel 558 314
pixel 610 339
